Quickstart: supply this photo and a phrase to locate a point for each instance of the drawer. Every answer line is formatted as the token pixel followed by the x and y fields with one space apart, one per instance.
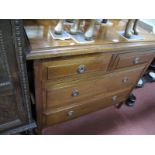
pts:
pixel 64 94
pixel 87 106
pixel 75 66
pixel 132 59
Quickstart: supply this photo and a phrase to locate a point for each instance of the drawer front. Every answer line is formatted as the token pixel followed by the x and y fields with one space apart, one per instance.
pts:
pixel 64 94
pixel 132 59
pixel 85 107
pixel 75 66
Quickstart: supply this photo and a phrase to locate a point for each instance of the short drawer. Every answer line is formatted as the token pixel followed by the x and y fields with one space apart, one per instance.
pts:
pixel 64 94
pixel 75 66
pixel 132 59
pixel 86 106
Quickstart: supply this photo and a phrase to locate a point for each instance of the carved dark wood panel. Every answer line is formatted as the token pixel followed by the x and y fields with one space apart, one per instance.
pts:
pixel 14 92
pixel 5 112
pixel 5 82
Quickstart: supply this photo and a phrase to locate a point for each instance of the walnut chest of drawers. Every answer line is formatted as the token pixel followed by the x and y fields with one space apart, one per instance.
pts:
pixel 73 85
pixel 71 81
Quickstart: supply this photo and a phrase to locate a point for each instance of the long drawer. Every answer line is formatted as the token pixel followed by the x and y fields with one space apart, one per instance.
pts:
pixel 86 106
pixel 64 94
pixel 54 69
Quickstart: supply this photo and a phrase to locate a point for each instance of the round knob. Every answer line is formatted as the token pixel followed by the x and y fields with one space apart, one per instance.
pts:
pixel 81 69
pixel 125 79
pixel 114 98
pixel 75 92
pixel 70 113
pixel 136 60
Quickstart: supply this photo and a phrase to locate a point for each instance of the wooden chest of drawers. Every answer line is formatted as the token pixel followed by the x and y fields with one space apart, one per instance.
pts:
pixel 73 80
pixel 69 87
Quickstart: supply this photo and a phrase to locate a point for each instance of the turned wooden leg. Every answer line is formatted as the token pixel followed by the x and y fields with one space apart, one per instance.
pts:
pixel 74 27
pixel 119 105
pixel 128 32
pixel 59 27
pixel 90 31
pixel 116 103
pixel 135 31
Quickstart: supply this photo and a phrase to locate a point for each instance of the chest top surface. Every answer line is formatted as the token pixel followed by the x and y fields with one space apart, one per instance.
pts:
pixel 106 38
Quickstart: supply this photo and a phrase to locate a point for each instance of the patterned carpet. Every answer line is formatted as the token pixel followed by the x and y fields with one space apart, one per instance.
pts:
pixel 137 120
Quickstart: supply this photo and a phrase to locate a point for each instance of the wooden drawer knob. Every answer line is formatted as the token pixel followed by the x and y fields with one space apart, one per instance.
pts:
pixel 125 79
pixel 136 60
pixel 75 92
pixel 70 113
pixel 81 69
pixel 114 98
